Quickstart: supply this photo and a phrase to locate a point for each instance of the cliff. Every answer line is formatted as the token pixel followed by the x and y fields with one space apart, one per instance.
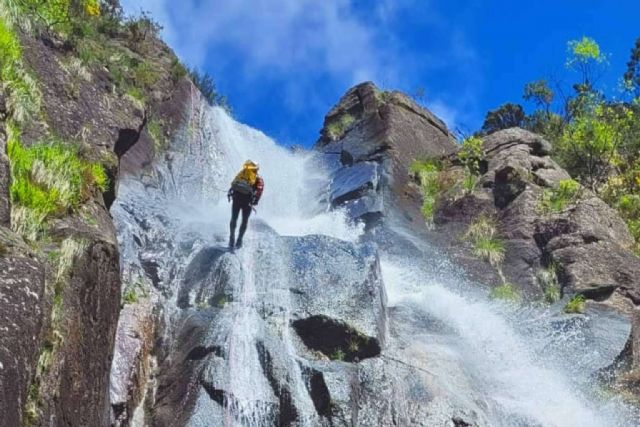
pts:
pixel 77 111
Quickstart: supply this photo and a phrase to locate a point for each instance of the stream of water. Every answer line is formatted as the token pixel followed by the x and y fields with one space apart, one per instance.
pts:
pixel 515 366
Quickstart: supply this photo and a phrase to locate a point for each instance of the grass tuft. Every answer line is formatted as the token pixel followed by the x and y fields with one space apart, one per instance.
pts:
pixel 338 128
pixel 506 292
pixel 48 180
pixel 576 305
pixel 486 245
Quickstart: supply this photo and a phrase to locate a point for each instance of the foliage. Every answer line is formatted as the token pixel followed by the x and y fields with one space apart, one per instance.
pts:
pixel 585 57
pixel 506 292
pixel 178 70
pixel 575 305
pixel 338 354
pixel 589 144
pixel 631 77
pixel 539 92
pixel 504 117
pixel 24 97
pixel 336 129
pixel 483 235
pixel 556 199
pixel 205 83
pixel 48 179
pixel 548 280
pixel 428 174
pixel 471 154
pixel 155 129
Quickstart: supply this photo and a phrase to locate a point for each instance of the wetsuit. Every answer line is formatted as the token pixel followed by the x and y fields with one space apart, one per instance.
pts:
pixel 243 203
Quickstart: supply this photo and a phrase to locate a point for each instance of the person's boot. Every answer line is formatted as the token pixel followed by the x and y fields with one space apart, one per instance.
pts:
pixel 232 242
pixel 239 242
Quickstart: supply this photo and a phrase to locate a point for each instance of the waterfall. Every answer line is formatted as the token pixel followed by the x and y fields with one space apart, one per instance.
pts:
pixel 449 350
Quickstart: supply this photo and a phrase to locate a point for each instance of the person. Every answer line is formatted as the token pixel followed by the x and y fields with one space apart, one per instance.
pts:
pixel 245 192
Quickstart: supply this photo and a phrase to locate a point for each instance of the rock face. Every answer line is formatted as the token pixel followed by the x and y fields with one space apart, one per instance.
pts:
pixel 371 138
pixel 587 240
pixel 60 302
pixel 22 319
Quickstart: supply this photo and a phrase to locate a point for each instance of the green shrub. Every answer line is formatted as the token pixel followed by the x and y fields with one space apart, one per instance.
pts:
pixel 556 199
pixel 575 305
pixel 144 76
pixel 471 154
pixel 130 296
pixel 505 292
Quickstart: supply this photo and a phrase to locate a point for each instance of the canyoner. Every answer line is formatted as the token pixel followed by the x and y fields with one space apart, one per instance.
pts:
pixel 245 193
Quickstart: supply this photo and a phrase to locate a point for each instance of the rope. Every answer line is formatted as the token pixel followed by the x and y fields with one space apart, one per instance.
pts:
pixel 402 362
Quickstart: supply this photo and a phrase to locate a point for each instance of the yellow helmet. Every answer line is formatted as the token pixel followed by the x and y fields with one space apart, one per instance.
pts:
pixel 250 165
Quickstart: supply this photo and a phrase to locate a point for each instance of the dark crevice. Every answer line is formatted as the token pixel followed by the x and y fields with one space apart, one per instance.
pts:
pixel 200 352
pixel 352 195
pixel 215 394
pixel 335 339
pixel 459 422
pixel 318 391
pixel 600 294
pixel 109 195
pixel 127 138
pixel 287 413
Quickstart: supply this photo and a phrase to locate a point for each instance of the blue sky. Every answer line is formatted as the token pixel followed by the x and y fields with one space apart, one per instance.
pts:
pixel 284 63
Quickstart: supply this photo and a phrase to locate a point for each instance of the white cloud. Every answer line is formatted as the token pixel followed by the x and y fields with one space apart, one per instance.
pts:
pixel 283 35
pixel 305 45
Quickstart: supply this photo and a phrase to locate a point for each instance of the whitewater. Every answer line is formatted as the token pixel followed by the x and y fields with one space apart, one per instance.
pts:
pixel 508 365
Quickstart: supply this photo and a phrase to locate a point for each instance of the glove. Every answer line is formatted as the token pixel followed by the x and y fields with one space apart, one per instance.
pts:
pixel 254 201
pixel 229 194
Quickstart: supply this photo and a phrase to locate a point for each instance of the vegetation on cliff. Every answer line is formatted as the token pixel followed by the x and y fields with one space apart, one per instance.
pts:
pixel 595 136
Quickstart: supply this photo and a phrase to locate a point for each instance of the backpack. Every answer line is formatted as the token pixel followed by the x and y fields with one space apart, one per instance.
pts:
pixel 245 181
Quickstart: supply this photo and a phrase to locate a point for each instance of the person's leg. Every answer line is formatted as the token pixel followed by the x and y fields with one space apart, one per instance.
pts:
pixel 235 211
pixel 246 212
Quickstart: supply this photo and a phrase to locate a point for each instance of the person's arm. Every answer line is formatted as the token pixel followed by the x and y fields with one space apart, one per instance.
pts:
pixel 259 187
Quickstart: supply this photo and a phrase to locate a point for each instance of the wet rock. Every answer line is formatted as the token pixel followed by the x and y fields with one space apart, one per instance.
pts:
pixel 340 281
pixel 353 182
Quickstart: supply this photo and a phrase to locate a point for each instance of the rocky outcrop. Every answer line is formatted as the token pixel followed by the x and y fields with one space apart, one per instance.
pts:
pixel 370 138
pixel 586 241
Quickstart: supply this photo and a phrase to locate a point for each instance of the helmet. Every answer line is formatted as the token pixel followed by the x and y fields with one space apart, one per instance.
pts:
pixel 250 165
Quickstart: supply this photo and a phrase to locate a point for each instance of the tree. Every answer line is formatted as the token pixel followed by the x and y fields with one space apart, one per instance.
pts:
pixel 631 77
pixel 540 93
pixel 589 145
pixel 504 117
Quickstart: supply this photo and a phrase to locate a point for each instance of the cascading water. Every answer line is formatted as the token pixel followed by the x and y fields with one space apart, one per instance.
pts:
pixel 449 348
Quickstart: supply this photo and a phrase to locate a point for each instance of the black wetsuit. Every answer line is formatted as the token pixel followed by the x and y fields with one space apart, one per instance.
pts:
pixel 241 202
